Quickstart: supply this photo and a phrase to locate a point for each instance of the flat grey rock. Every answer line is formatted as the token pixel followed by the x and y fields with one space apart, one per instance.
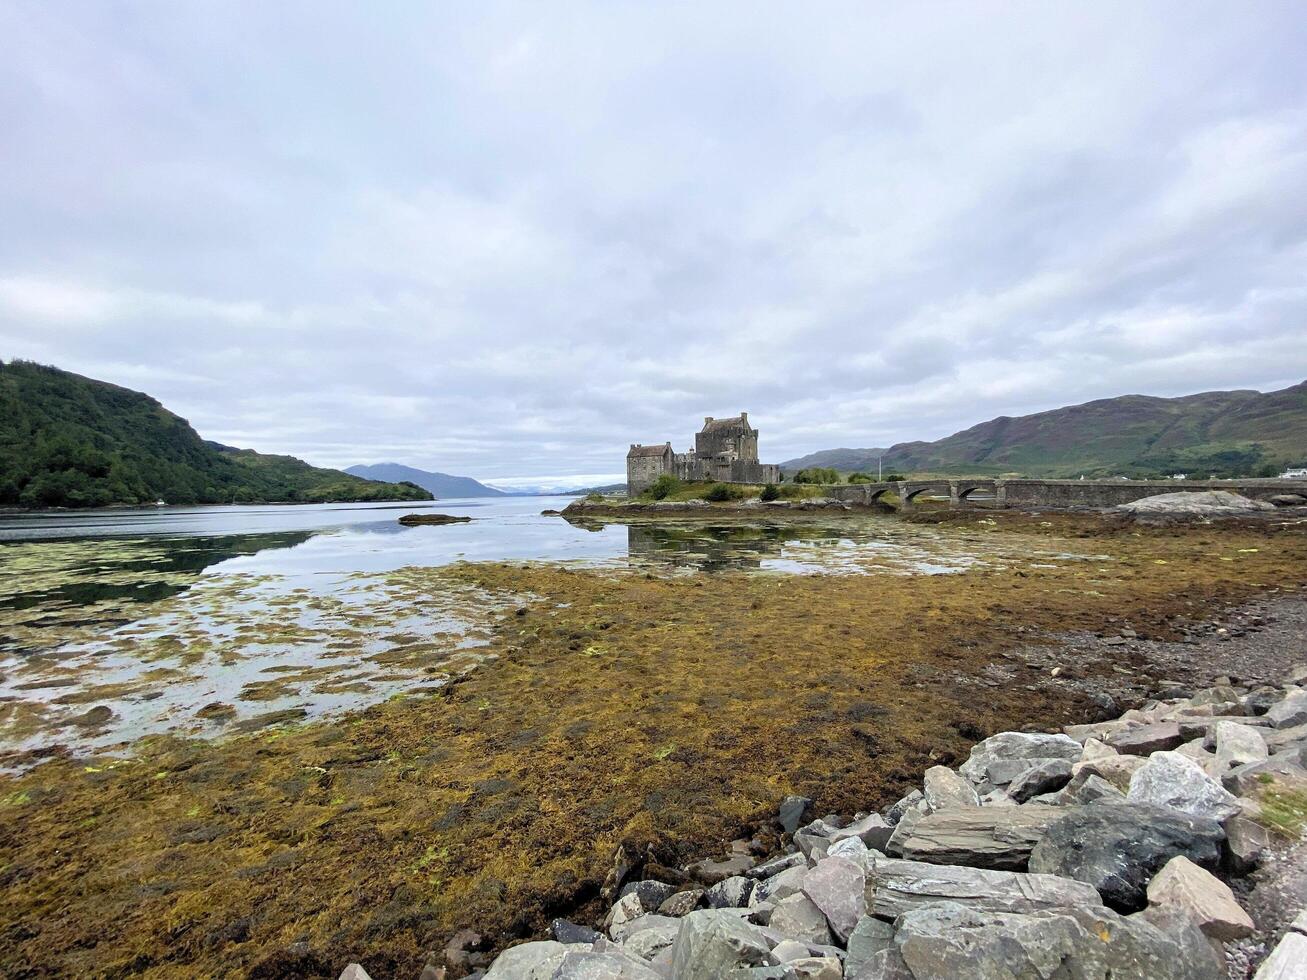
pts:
pixel 895 887
pixel 1147 739
pixel 999 837
pixel 948 941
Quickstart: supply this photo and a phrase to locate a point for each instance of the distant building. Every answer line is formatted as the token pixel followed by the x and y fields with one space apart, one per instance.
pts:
pixel 725 451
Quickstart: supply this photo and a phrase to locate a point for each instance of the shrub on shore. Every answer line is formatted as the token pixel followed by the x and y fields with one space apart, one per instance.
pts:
pixel 661 487
pixel 719 492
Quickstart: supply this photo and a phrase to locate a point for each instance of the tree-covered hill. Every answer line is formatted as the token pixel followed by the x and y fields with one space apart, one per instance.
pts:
pixel 1221 433
pixel 70 441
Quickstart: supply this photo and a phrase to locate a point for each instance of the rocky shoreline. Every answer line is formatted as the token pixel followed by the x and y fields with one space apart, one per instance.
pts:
pixel 1122 848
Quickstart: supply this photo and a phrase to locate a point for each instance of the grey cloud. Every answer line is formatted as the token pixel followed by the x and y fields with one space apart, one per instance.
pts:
pixel 509 239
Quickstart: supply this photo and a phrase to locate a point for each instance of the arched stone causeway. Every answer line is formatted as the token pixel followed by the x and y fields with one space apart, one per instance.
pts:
pixel 1052 494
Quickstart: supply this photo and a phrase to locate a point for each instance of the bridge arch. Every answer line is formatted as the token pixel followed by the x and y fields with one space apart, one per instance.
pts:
pixel 938 488
pixel 967 489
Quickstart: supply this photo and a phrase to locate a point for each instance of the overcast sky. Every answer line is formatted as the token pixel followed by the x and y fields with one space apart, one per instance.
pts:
pixel 508 240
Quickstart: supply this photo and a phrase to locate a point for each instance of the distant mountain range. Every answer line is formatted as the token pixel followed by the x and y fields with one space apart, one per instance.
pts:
pixel 1226 433
pixel 844 460
pixel 70 441
pixel 440 484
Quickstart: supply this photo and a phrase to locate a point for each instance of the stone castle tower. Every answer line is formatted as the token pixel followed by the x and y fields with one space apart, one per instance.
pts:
pixel 725 451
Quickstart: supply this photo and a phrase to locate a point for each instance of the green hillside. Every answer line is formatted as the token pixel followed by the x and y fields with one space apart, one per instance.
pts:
pixel 1225 433
pixel 70 441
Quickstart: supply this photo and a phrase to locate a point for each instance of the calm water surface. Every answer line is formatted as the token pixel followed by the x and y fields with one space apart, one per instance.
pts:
pixel 201 620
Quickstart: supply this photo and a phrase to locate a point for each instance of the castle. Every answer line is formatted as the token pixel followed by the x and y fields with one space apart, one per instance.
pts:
pixel 725 451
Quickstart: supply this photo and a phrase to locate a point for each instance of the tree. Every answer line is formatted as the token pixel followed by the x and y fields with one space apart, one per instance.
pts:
pixel 817 474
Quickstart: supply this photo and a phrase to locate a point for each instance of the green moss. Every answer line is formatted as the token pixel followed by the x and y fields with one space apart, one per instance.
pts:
pixel 1284 810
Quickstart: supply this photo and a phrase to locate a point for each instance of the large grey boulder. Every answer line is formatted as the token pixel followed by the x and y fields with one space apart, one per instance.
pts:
pixel 682 903
pixel 852 849
pixel 1147 739
pixel 895 887
pixel 1202 897
pixel 1245 780
pixel 605 965
pixel 946 941
pixel 622 933
pixel 1090 790
pixel 648 943
pixel 1288 961
pixel 712 942
pixel 730 893
pixel 1176 781
pixel 1246 840
pixel 887 964
pixel 1283 738
pixel 1047 777
pixel 1289 712
pixel 1238 745
pixel 625 909
pixel 836 886
pixel 983 837
pixel 798 917
pixel 1116 769
pixel 788 882
pixel 776 865
pixel 944 789
pixel 1008 746
pixel 792 811
pixel 1118 848
pixel 530 961
pixel 896 811
pixel 868 938
pixel 873 830
pixel 651 893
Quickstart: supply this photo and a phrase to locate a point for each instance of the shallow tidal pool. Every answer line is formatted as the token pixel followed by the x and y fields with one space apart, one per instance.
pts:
pixel 217 620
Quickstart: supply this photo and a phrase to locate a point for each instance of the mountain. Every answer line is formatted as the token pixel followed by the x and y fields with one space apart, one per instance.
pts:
pixel 441 484
pixel 845 460
pixel 1226 433
pixel 70 441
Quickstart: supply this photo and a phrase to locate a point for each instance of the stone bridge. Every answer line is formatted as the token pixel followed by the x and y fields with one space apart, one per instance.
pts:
pixel 1050 494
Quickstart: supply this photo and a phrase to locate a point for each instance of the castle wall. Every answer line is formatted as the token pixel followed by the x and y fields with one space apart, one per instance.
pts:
pixel 643 470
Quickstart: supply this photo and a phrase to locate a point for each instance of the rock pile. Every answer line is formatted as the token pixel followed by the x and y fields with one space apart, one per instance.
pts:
pixel 1092 853
pixel 1204 503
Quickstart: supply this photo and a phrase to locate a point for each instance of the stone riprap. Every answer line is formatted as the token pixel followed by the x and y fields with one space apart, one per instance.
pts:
pixel 1094 853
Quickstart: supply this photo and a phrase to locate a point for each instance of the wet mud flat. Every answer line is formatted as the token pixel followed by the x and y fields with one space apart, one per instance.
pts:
pixel 668 713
